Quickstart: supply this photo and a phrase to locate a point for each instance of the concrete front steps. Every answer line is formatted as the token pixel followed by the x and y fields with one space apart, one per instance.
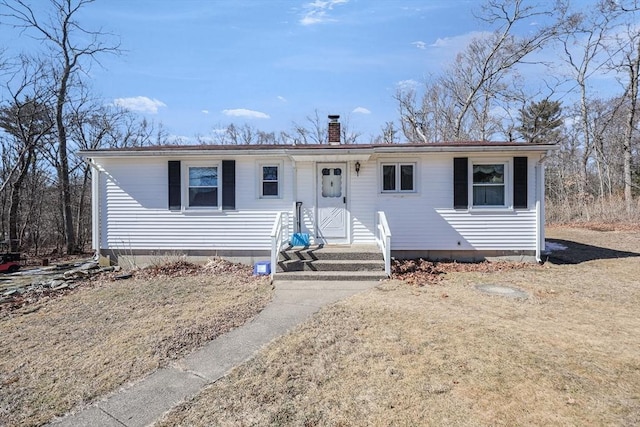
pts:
pixel 333 262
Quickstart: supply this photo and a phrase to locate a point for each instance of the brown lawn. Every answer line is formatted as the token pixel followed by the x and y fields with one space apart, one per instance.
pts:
pixel 446 354
pixel 59 354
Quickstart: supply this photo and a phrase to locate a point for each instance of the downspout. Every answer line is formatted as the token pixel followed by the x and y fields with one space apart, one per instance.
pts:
pixel 294 185
pixel 95 208
pixel 540 214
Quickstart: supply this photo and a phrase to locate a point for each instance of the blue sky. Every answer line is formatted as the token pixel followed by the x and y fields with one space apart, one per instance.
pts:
pixel 198 65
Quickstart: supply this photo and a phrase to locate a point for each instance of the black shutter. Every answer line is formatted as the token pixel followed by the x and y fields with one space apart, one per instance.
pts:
pixel 228 184
pixel 460 183
pixel 175 202
pixel 520 174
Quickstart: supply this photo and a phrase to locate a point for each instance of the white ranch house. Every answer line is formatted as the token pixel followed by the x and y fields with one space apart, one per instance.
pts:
pixel 464 201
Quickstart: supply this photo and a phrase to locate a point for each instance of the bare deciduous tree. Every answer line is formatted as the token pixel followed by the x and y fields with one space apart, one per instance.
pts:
pixel 26 120
pixel 628 46
pixel 458 104
pixel 71 46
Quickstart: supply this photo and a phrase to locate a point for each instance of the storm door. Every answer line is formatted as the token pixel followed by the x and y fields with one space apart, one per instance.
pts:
pixel 332 203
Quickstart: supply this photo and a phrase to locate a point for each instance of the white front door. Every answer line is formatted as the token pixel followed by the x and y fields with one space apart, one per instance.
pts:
pixel 332 203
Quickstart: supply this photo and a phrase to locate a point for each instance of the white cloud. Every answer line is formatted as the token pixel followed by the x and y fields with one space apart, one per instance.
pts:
pixel 205 111
pixel 141 104
pixel 420 45
pixel 361 110
pixel 243 112
pixel 317 11
pixel 407 84
pixel 282 99
pixel 458 42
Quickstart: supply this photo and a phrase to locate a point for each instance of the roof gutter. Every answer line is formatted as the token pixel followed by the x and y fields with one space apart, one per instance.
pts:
pixel 299 151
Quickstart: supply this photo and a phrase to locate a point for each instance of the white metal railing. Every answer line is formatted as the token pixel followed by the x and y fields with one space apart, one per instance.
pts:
pixel 279 238
pixel 383 238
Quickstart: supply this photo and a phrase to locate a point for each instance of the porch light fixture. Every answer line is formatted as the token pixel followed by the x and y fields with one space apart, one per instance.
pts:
pixel 357 168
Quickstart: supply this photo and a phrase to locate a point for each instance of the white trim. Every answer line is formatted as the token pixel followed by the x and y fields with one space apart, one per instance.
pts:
pixel 184 179
pixel 398 165
pixel 331 153
pixel 259 178
pixel 346 195
pixel 95 207
pixel 540 213
pixel 508 184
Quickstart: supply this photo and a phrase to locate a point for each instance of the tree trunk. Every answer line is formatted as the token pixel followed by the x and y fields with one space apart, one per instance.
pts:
pixel 16 192
pixel 634 75
pixel 63 168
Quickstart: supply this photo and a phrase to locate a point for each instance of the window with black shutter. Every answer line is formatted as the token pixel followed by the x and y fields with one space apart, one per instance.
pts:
pixel 520 183
pixel 207 185
pixel 175 190
pixel 228 184
pixel 460 183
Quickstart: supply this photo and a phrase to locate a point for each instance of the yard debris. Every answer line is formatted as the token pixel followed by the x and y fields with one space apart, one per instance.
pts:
pixel 221 266
pixel 421 272
pixel 185 268
pixel 171 269
pixel 49 283
pixel 63 278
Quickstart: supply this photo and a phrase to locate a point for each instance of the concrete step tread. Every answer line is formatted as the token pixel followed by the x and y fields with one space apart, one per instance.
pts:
pixel 330 275
pixel 330 265
pixel 333 261
pixel 335 248
pixel 331 254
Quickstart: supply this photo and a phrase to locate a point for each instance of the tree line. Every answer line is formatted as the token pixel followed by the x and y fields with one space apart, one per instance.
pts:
pixel 513 82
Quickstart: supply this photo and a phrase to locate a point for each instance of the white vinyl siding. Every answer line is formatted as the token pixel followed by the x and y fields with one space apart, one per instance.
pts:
pixel 305 184
pixel 429 222
pixel 135 214
pixel 362 203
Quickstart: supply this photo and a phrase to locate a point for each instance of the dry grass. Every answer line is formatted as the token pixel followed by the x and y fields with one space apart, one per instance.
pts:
pixel 446 354
pixel 60 353
pixel 609 210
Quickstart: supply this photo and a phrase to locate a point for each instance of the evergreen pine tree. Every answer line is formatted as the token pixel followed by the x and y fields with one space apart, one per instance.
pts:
pixel 540 122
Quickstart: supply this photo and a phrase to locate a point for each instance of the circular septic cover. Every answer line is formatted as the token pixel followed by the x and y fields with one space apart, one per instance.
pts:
pixel 502 290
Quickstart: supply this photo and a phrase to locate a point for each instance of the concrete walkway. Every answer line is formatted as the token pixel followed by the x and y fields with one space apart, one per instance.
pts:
pixel 145 401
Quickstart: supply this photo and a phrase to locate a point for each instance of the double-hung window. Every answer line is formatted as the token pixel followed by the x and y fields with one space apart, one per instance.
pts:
pixel 270 181
pixel 398 177
pixel 203 186
pixel 489 184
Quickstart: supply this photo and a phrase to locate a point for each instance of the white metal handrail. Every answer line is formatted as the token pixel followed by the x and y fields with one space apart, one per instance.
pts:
pixel 383 238
pixel 279 238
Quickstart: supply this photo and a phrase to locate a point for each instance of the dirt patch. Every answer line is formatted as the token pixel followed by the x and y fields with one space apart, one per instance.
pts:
pixel 402 354
pixel 60 353
pixel 503 291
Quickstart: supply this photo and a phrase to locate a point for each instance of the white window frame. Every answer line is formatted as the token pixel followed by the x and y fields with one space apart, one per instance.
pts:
pixel 186 186
pixel 507 184
pixel 259 178
pixel 398 165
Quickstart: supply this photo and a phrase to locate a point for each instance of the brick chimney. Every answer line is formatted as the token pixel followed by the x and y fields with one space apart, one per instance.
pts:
pixel 334 129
